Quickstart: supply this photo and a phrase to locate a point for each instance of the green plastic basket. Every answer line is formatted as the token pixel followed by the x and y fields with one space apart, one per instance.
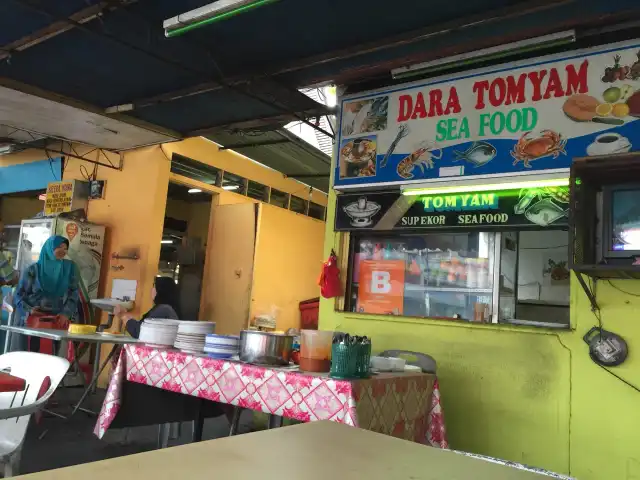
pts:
pixel 350 361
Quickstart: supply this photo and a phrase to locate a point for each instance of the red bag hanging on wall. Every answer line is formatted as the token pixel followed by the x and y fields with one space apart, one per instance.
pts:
pixel 329 281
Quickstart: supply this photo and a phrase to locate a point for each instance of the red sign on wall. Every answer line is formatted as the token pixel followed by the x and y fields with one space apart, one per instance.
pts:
pixel 381 287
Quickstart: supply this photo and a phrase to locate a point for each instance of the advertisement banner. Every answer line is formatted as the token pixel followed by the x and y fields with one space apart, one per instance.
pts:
pixel 535 207
pixel 86 242
pixel 530 116
pixel 381 287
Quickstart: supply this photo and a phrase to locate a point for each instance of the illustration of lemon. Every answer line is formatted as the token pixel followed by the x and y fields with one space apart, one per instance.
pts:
pixel 620 110
pixel 604 109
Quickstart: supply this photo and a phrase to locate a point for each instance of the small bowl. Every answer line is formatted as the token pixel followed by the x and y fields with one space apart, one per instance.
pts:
pixel 397 364
pixel 382 364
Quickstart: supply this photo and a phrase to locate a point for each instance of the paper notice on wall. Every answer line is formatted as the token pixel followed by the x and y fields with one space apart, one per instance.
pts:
pixel 59 198
pixel 123 289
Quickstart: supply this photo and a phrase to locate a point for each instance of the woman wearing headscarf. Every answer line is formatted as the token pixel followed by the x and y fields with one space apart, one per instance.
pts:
pixel 165 305
pixel 49 287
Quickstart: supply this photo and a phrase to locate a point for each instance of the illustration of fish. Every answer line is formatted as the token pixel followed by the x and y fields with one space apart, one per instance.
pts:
pixel 478 154
pixel 403 131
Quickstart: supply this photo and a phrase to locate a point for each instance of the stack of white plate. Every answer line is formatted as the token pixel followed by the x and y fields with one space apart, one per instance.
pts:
pixel 222 346
pixel 191 336
pixel 159 332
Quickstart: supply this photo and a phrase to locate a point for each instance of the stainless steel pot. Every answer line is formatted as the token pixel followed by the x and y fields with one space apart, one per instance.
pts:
pixel 265 348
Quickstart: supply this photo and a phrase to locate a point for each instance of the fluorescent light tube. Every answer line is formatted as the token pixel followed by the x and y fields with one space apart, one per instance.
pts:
pixel 207 14
pixel 558 182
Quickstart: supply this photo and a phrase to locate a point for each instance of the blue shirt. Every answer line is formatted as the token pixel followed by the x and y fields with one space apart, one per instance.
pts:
pixel 30 295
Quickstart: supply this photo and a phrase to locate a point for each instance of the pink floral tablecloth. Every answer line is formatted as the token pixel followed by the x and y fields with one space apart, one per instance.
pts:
pixel 405 405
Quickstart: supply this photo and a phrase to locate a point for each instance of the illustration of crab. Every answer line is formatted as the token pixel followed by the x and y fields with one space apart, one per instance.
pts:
pixel 422 158
pixel 531 148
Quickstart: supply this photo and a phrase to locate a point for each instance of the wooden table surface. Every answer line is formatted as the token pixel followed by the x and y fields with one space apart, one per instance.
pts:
pixel 311 451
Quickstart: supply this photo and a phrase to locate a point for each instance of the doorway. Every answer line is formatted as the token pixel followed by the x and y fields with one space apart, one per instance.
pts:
pixel 184 244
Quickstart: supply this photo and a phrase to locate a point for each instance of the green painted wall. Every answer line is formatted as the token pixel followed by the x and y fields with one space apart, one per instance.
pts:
pixel 522 394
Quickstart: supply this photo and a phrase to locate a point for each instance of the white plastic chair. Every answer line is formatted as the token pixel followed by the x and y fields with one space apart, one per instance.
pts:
pixel 16 407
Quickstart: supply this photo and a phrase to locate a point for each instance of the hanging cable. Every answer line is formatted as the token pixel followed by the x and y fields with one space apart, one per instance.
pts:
pixel 621 290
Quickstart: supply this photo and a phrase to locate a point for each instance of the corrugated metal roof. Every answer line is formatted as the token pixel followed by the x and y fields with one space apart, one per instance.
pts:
pixel 291 155
pixel 245 71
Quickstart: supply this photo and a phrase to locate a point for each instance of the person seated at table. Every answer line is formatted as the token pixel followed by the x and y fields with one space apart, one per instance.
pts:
pixel 165 305
pixel 8 276
pixel 48 288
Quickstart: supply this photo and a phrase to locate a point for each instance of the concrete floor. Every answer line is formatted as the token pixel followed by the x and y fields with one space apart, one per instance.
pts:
pixel 72 442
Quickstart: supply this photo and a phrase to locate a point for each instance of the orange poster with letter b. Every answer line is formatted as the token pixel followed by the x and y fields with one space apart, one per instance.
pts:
pixel 381 287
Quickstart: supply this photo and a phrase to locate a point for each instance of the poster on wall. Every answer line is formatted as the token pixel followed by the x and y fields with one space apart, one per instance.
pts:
pixel 86 242
pixel 381 287
pixel 59 198
pixel 531 207
pixel 530 116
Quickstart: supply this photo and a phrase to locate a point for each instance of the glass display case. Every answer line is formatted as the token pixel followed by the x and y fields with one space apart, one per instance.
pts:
pixel 472 276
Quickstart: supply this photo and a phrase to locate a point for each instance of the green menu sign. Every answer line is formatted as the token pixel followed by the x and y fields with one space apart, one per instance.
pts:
pixel 527 207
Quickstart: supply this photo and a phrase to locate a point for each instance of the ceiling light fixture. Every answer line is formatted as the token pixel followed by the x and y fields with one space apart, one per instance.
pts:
pixel 166 241
pixel 231 187
pixel 195 190
pixel 485 54
pixel 213 12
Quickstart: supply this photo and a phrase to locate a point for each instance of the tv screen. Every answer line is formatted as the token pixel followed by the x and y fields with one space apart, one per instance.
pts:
pixel 625 220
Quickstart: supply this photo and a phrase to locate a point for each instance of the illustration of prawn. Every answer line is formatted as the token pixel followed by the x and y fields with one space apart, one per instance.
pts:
pixel 422 158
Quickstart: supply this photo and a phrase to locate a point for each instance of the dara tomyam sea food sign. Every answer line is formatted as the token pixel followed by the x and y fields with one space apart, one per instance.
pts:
pixel 524 117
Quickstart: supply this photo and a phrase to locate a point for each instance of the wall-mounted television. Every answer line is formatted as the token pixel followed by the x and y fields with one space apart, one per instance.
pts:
pixel 621 221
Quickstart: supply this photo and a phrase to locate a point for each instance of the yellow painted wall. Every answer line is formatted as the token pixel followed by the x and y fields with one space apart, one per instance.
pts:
pixel 133 211
pixel 177 209
pixel 522 394
pixel 208 152
pixel 195 214
pixel 134 208
pixel 15 209
pixel 198 227
pixel 288 260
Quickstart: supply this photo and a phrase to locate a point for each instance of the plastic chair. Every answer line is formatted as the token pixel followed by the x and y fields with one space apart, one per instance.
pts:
pixel 43 374
pixel 426 362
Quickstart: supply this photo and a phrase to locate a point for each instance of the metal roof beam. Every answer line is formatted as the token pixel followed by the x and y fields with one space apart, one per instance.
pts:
pixel 505 13
pixel 169 61
pixel 56 28
pixel 235 146
pixel 407 38
pixel 307 175
pixel 275 121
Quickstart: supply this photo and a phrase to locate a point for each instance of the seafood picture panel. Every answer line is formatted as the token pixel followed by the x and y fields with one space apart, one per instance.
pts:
pixel 365 116
pixel 358 157
pixel 523 117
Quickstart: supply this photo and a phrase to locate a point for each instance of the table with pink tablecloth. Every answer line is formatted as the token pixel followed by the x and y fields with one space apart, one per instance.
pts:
pixel 405 405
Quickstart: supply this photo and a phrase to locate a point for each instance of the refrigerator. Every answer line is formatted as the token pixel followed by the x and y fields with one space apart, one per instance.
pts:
pixel 86 242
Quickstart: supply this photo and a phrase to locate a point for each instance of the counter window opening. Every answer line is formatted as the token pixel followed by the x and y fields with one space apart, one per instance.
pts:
pixel 517 277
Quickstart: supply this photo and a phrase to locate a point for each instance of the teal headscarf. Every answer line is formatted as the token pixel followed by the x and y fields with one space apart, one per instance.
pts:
pixel 54 274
